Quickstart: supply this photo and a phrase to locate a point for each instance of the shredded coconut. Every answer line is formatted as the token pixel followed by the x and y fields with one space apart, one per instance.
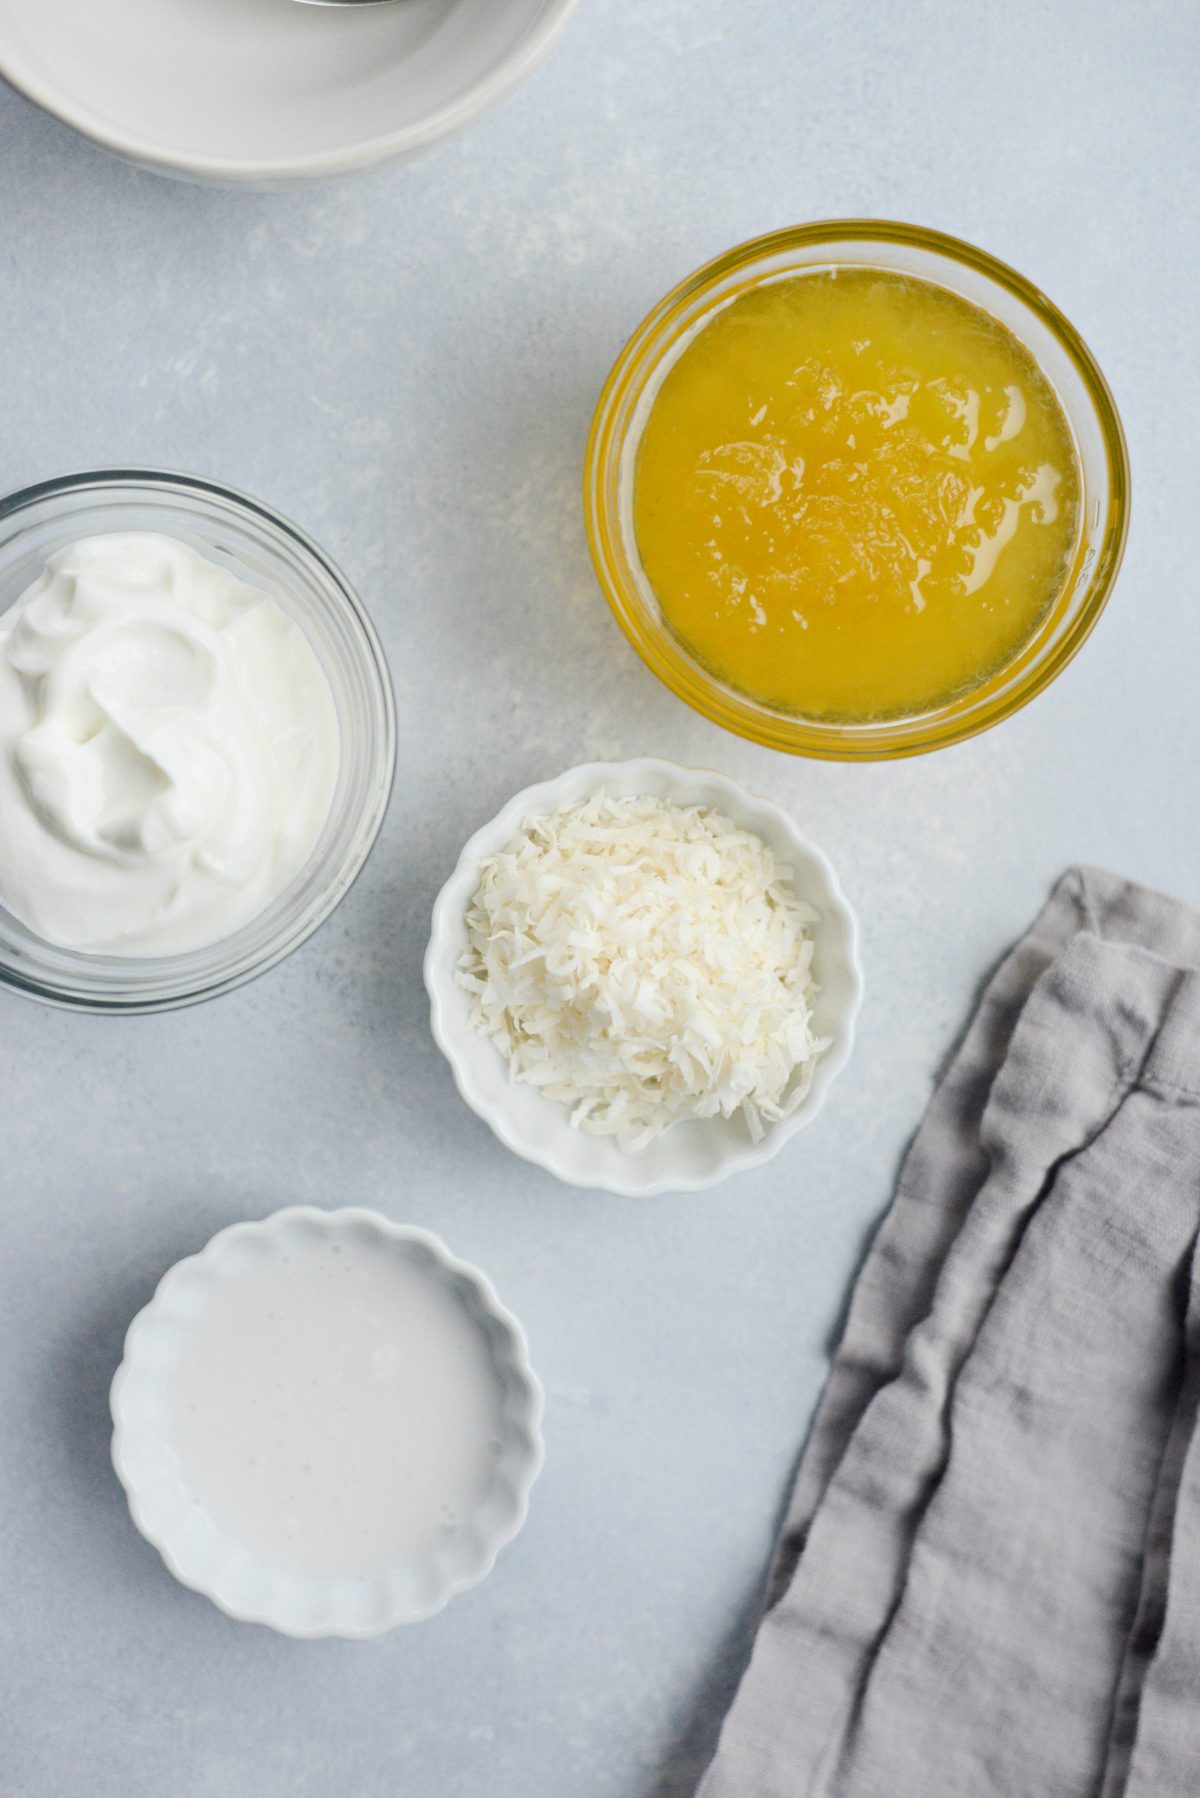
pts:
pixel 643 963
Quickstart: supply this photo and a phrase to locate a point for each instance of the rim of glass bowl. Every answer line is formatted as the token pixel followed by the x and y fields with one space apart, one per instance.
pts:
pixel 620 415
pixel 82 981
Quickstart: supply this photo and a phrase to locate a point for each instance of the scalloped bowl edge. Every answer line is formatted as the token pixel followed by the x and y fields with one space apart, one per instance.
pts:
pixel 133 1432
pixel 549 1146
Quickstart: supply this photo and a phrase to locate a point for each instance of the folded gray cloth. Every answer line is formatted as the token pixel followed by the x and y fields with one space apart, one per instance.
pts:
pixel 989 1577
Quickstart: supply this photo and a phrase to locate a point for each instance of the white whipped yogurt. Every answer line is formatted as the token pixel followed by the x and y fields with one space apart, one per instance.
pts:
pixel 169 749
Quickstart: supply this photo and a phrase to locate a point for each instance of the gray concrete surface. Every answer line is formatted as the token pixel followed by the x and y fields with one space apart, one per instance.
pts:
pixel 406 363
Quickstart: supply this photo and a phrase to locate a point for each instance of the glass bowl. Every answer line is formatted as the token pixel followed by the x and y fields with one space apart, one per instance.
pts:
pixel 905 249
pixel 269 552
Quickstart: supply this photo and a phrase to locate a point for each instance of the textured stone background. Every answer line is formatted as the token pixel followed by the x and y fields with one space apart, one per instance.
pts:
pixel 406 363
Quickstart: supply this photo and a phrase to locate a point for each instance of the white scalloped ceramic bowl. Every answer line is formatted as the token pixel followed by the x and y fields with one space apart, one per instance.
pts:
pixel 690 1156
pixel 246 1585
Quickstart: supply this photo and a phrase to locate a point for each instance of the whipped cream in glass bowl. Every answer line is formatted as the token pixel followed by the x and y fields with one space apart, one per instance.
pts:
pixel 197 739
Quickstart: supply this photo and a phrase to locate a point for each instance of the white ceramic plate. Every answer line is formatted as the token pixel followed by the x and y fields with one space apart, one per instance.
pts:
pixel 689 1156
pixel 269 91
pixel 247 1586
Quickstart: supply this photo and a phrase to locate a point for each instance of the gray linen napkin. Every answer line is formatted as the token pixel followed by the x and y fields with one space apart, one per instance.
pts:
pixel 988 1584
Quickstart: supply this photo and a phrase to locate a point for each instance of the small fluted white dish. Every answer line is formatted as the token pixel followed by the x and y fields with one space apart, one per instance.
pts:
pixel 270 95
pixel 247 1584
pixel 689 1156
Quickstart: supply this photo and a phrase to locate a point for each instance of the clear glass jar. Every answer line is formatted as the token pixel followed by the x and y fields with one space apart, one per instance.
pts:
pixel 269 552
pixel 904 249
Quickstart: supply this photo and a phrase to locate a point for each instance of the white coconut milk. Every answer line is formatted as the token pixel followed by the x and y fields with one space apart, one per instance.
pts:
pixel 337 1411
